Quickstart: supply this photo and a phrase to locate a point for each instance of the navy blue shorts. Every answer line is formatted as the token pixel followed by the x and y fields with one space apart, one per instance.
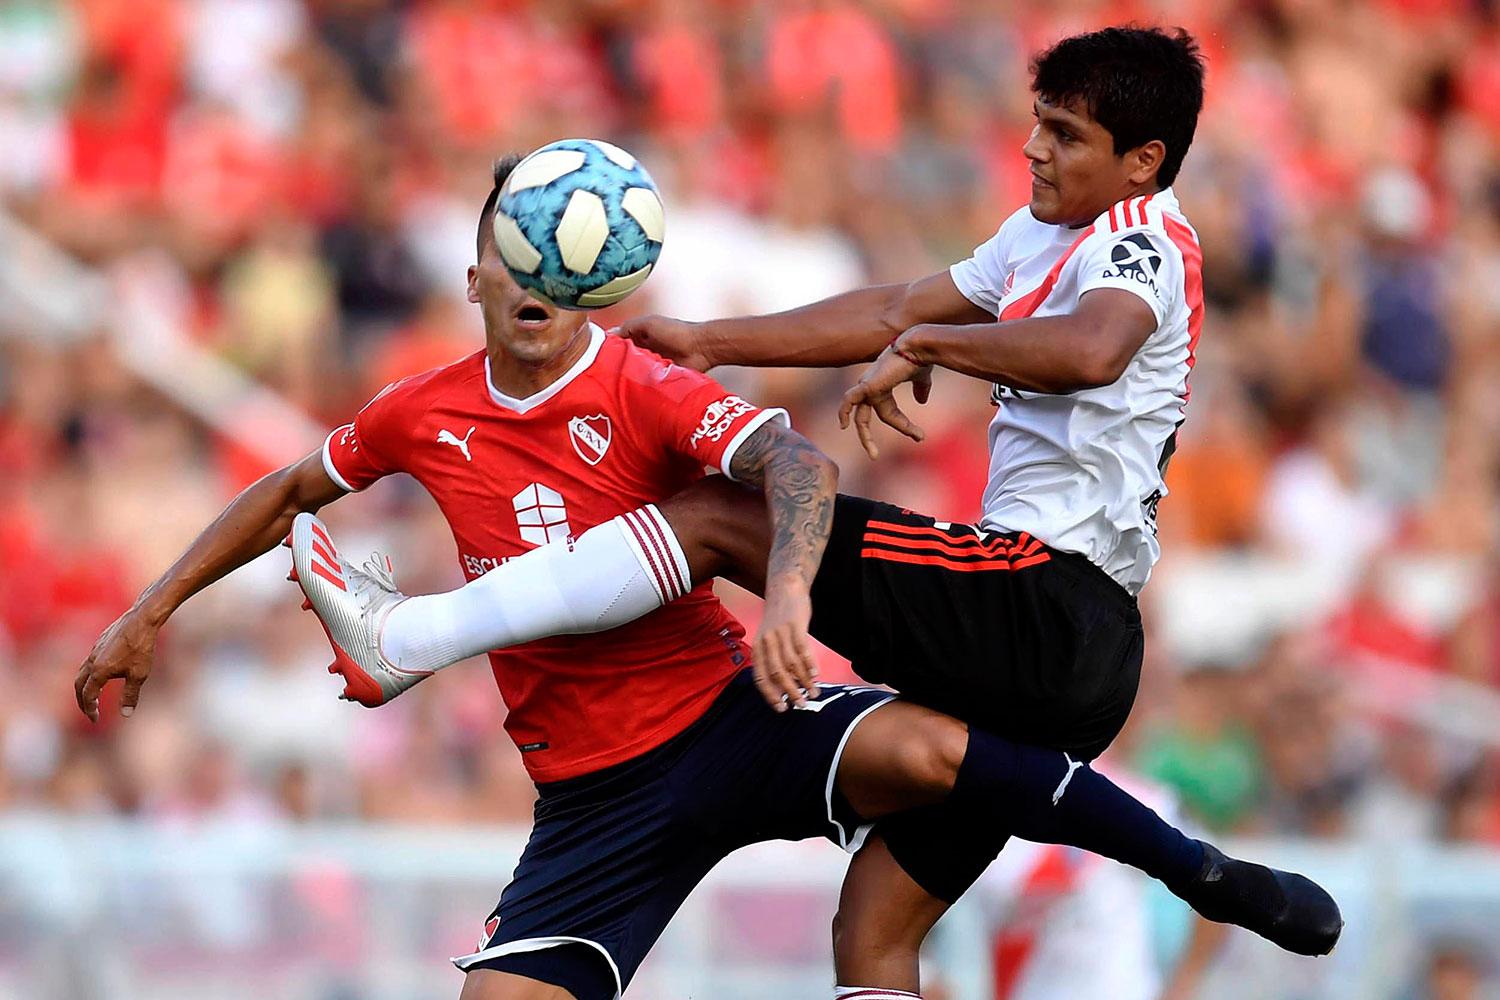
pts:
pixel 613 854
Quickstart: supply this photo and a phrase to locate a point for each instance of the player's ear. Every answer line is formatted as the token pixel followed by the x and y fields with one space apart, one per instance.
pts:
pixel 473 294
pixel 1145 160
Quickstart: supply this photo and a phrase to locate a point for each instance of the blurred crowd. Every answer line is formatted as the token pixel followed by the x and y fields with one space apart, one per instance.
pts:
pixel 300 179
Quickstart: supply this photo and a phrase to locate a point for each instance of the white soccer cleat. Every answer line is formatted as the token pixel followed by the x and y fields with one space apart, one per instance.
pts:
pixel 351 605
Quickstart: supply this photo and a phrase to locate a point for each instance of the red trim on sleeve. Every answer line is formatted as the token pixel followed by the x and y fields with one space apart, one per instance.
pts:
pixel 1030 303
pixel 1192 265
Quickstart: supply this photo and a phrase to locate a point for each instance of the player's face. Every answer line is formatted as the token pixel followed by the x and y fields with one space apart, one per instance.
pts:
pixel 531 330
pixel 1075 174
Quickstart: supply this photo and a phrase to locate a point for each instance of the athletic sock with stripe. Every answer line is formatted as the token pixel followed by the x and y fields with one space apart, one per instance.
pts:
pixel 1046 797
pixel 610 575
pixel 871 993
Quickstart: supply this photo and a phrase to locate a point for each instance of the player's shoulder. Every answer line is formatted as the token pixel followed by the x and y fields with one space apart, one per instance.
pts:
pixel 1017 226
pixel 1154 215
pixel 646 374
pixel 418 391
pixel 1142 228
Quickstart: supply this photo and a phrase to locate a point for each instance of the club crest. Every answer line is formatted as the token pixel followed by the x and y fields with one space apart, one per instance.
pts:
pixel 590 437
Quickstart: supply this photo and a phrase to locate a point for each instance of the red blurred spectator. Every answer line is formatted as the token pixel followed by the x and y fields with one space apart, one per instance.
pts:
pixel 830 51
pixel 679 66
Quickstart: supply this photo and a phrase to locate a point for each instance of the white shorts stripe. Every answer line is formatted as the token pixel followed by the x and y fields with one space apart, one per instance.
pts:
pixel 465 962
pixel 850 842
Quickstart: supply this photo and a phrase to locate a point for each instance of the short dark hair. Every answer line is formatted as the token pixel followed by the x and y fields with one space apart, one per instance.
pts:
pixel 1139 83
pixel 499 170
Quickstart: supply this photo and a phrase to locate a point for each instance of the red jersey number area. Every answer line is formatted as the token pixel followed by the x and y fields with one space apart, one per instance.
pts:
pixel 620 429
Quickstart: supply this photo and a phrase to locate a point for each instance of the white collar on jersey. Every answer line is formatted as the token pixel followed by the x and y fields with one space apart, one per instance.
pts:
pixel 531 402
pixel 1165 199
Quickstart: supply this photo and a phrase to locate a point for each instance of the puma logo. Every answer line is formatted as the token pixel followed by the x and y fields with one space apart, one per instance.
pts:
pixel 1073 765
pixel 446 436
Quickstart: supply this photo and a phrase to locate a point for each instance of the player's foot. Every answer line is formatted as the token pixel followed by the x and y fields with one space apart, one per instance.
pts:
pixel 1289 910
pixel 351 604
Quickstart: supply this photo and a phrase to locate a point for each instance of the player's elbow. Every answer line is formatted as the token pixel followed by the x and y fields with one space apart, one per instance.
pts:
pixel 306 485
pixel 1097 372
pixel 806 470
pixel 826 473
pixel 897 312
pixel 1100 361
pixel 827 469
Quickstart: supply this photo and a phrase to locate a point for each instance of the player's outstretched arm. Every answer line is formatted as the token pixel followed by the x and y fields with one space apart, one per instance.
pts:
pixel 800 484
pixel 252 524
pixel 841 330
pixel 1087 348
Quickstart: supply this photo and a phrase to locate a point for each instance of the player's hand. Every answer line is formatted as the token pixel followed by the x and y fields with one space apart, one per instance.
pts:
pixel 786 671
pixel 674 339
pixel 125 650
pixel 874 394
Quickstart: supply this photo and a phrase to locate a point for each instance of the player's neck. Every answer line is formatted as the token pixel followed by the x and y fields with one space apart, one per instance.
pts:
pixel 1135 191
pixel 519 378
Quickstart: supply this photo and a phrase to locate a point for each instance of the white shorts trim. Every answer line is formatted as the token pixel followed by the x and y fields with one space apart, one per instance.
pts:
pixel 463 962
pixel 850 842
pixel 329 467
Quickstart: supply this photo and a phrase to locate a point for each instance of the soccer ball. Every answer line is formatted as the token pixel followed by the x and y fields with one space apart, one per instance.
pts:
pixel 579 223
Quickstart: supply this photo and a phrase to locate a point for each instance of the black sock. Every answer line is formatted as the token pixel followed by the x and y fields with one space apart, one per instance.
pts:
pixel 1043 796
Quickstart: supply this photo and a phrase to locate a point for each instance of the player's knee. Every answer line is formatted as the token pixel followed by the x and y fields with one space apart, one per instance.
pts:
pixel 929 755
pixel 715 522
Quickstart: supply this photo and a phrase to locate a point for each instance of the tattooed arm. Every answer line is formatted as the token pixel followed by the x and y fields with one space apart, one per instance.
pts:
pixel 800 483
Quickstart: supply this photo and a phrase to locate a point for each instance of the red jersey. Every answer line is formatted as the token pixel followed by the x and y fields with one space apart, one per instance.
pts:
pixel 622 428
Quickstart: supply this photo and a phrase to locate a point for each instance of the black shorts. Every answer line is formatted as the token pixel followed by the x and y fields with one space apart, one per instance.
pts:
pixel 613 854
pixel 1033 644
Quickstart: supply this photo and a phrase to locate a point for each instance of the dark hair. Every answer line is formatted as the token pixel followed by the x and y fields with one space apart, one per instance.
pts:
pixel 1139 83
pixel 500 170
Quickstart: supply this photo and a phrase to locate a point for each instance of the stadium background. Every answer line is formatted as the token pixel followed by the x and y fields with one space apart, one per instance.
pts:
pixel 226 223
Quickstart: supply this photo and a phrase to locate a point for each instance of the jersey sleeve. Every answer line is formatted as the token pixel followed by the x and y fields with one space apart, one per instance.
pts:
pixel 702 420
pixel 364 450
pixel 981 278
pixel 1138 261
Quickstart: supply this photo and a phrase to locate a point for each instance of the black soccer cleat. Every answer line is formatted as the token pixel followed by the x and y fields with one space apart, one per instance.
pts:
pixel 1289 910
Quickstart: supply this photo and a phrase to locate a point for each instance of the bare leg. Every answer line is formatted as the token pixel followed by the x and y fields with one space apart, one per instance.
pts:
pixel 487 984
pixel 724 530
pixel 899 757
pixel 882 921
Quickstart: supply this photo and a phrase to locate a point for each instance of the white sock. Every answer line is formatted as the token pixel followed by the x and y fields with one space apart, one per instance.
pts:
pixel 871 993
pixel 610 575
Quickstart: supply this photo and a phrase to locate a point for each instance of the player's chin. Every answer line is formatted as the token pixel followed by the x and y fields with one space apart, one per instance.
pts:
pixel 532 350
pixel 1045 204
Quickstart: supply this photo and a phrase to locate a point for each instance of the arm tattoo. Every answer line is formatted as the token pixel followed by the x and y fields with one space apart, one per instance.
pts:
pixel 800 483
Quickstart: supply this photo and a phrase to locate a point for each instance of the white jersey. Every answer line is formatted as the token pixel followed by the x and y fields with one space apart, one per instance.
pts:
pixel 1083 471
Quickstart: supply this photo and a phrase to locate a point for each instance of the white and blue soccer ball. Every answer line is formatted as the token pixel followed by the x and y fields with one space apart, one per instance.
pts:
pixel 579 222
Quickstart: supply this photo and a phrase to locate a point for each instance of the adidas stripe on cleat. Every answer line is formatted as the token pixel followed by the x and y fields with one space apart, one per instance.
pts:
pixel 351 604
